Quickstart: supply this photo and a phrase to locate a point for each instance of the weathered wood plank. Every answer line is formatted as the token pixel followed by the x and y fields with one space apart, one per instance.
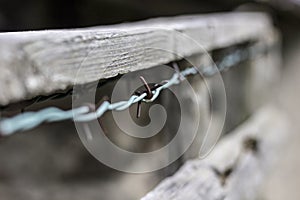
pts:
pixel 236 167
pixel 41 62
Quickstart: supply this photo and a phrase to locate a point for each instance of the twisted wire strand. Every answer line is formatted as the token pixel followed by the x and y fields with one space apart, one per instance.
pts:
pixel 29 120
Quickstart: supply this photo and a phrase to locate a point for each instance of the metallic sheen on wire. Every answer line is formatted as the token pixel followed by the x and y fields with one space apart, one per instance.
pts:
pixel 30 120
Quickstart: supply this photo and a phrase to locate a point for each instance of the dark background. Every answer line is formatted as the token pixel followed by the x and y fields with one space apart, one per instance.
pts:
pixel 16 15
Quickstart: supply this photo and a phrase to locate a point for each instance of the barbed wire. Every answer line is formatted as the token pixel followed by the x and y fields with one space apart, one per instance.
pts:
pixel 29 120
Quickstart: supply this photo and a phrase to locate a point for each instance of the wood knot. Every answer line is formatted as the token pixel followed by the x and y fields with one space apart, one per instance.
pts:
pixel 251 144
pixel 223 175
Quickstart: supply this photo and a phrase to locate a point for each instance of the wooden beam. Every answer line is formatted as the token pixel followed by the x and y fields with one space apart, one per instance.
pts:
pixel 42 62
pixel 236 168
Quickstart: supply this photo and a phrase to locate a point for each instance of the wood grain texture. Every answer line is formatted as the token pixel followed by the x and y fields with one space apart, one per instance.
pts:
pixel 236 168
pixel 42 62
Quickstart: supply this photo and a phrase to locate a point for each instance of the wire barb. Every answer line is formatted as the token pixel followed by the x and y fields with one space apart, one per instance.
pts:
pixel 29 120
pixel 148 90
pixel 176 68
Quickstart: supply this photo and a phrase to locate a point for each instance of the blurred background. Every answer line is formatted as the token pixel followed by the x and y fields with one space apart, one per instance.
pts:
pixel 58 167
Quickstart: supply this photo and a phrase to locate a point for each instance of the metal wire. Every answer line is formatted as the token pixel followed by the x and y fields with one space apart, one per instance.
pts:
pixel 29 120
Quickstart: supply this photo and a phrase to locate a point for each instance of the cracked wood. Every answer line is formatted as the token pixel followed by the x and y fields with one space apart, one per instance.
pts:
pixel 42 62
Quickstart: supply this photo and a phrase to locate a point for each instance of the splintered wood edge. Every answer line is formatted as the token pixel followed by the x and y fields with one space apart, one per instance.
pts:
pixel 42 62
pixel 236 168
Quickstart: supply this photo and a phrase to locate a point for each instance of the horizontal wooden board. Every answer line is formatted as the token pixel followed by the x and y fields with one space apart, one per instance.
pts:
pixel 42 62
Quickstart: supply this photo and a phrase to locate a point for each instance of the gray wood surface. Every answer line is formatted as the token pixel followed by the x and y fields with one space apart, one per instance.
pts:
pixel 236 168
pixel 42 62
